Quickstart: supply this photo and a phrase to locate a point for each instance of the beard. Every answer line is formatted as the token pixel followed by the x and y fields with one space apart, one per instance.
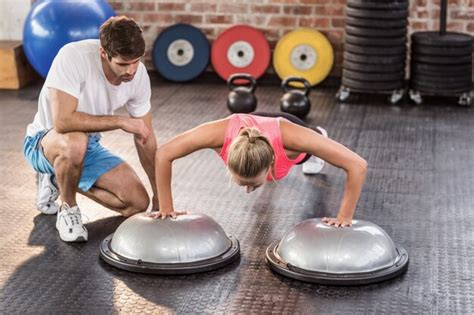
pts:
pixel 127 78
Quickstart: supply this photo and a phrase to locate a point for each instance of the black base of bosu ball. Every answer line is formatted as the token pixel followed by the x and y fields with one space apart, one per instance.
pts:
pixel 375 48
pixel 314 252
pixel 441 65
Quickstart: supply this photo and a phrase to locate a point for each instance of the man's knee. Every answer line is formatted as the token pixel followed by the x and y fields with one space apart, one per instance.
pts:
pixel 73 147
pixel 65 148
pixel 139 203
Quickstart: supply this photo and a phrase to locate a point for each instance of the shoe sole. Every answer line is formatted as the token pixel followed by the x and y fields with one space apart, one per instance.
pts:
pixel 79 239
pixel 54 191
pixel 72 240
pixel 47 212
pixel 314 173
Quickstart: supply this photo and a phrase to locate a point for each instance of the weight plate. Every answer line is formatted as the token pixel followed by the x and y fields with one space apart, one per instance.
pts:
pixel 374 32
pixel 449 39
pixel 376 23
pixel 303 53
pixel 375 50
pixel 368 76
pixel 447 74
pixel 372 86
pixel 441 51
pixel 374 59
pixel 180 53
pixel 376 14
pixel 442 80
pixel 240 49
pixel 376 41
pixel 439 89
pixel 416 66
pixel 375 68
pixel 378 5
pixel 441 60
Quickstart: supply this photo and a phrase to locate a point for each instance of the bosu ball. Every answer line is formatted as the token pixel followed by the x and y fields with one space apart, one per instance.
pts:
pixel 188 244
pixel 315 252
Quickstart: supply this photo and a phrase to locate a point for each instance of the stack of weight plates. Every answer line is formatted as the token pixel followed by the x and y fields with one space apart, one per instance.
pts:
pixel 375 50
pixel 441 64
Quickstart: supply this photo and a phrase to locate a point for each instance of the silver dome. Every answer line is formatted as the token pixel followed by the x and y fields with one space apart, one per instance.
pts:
pixel 190 243
pixel 315 252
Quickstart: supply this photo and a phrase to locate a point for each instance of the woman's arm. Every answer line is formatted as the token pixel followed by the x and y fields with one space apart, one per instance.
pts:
pixel 208 135
pixel 301 139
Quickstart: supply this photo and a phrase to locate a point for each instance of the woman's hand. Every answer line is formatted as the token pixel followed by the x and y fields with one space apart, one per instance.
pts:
pixel 163 214
pixel 337 222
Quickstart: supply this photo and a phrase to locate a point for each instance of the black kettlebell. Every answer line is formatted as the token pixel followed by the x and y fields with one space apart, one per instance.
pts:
pixel 295 100
pixel 241 97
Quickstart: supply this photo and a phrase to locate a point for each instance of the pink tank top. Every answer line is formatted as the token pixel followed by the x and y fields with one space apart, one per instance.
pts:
pixel 270 128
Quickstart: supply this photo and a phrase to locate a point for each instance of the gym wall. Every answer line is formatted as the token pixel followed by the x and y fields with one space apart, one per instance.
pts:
pixel 12 17
pixel 277 17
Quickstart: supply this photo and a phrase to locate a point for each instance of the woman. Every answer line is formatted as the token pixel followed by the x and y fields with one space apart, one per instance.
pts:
pixel 256 149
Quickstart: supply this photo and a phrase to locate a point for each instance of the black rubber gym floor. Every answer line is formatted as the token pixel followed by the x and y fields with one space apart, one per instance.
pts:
pixel 419 189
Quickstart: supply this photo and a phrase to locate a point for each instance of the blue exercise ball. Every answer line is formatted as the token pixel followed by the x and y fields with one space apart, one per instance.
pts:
pixel 51 24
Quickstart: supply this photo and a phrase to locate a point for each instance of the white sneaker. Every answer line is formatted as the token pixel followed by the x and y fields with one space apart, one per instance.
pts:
pixel 315 165
pixel 47 194
pixel 323 131
pixel 69 224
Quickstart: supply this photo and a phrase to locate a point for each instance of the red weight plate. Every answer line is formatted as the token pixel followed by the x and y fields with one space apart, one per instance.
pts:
pixel 240 49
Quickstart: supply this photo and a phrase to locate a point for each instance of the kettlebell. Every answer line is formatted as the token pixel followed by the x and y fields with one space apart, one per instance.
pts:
pixel 295 100
pixel 241 97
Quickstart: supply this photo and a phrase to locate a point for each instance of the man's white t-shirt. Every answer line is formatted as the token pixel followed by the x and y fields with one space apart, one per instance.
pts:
pixel 77 70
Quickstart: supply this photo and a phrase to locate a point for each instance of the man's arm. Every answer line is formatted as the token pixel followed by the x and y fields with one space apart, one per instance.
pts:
pixel 146 153
pixel 66 118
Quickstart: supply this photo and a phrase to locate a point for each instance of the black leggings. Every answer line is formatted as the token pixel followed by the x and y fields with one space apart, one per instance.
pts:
pixel 291 118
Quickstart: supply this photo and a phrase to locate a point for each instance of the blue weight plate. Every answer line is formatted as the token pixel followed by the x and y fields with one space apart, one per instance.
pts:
pixel 181 53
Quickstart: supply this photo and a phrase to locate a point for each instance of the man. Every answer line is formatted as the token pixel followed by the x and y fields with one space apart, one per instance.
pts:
pixel 87 82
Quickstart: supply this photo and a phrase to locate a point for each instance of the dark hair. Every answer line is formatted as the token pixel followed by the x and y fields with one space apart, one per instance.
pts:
pixel 121 36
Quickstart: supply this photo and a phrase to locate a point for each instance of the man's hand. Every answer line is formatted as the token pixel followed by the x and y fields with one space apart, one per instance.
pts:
pixel 337 222
pixel 163 214
pixel 138 128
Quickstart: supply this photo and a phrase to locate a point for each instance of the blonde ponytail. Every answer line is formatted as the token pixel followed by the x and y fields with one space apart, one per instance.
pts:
pixel 250 153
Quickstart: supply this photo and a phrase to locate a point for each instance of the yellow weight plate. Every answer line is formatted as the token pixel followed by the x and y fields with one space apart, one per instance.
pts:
pixel 305 53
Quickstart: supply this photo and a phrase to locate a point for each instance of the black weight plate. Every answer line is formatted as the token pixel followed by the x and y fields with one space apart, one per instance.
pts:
pixel 374 59
pixel 378 5
pixel 447 40
pixel 448 81
pixel 376 32
pixel 375 50
pixel 447 73
pixel 416 66
pixel 442 51
pixel 455 84
pixel 376 23
pixel 372 86
pixel 368 76
pixel 375 41
pixel 375 68
pixel 441 90
pixel 428 91
pixel 441 60
pixel 376 14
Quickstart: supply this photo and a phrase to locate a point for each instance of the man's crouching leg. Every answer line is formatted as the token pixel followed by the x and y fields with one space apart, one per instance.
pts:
pixel 121 190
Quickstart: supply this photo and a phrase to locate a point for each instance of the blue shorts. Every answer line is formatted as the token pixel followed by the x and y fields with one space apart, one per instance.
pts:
pixel 97 161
